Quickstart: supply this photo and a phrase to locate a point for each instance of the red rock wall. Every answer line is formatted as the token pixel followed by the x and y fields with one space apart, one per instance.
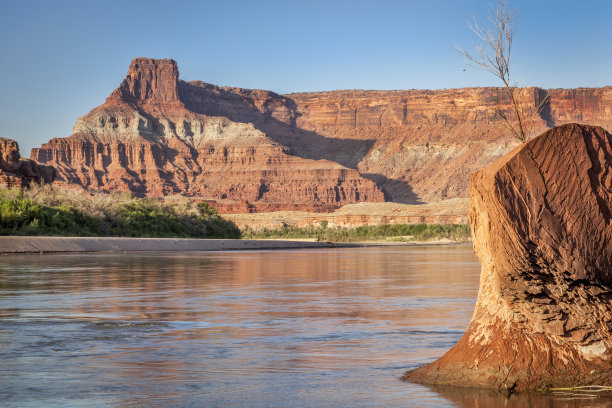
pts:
pixel 432 141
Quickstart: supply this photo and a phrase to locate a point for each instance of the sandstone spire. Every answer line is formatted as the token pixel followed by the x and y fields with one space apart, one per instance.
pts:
pixel 149 80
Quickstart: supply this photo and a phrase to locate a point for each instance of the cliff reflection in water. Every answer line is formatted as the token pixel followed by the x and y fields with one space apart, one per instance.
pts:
pixel 309 328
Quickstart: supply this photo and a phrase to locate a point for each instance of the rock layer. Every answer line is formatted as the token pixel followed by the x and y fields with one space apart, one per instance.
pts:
pixel 18 172
pixel 422 146
pixel 542 229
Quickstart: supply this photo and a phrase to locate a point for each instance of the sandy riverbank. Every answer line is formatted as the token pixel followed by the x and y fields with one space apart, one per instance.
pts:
pixel 96 244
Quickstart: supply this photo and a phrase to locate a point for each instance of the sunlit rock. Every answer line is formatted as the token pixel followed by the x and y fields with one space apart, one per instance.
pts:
pixel 542 229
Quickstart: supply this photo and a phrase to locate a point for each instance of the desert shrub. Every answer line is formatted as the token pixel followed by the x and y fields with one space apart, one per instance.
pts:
pixel 206 210
pixel 216 226
pixel 150 218
pixel 145 218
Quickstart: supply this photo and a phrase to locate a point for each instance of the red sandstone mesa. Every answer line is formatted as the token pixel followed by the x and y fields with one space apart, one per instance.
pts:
pixel 17 172
pixel 156 135
pixel 542 228
pixel 253 150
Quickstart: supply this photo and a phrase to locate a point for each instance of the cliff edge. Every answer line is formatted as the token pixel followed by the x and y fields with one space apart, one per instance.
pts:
pixel 542 229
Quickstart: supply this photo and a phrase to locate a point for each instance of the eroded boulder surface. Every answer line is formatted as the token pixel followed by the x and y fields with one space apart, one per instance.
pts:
pixel 542 229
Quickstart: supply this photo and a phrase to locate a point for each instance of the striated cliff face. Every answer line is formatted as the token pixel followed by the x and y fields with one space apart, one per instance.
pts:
pixel 541 222
pixel 17 172
pixel 423 145
pixel 254 150
pixel 156 135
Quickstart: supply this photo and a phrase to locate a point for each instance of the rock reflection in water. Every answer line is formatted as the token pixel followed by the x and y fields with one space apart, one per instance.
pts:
pixel 475 397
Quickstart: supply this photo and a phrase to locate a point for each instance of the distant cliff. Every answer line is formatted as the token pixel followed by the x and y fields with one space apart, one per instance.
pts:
pixel 156 135
pixel 18 172
pixel 254 150
pixel 423 145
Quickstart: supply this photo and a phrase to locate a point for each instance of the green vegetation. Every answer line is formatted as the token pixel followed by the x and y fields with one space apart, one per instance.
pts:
pixel 22 216
pixel 48 210
pixel 386 232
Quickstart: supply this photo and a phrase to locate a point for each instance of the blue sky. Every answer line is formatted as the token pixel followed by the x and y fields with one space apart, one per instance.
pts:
pixel 60 59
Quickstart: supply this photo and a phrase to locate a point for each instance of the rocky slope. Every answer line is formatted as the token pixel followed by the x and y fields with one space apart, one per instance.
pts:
pixel 252 150
pixel 453 211
pixel 542 228
pixel 18 172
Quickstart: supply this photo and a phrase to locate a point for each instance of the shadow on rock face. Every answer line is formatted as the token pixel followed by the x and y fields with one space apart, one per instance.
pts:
pixel 238 105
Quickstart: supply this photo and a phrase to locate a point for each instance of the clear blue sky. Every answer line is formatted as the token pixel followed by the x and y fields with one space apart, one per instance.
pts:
pixel 60 58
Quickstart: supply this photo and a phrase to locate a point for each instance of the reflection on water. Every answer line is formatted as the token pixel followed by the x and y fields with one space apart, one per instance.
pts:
pixel 490 398
pixel 308 328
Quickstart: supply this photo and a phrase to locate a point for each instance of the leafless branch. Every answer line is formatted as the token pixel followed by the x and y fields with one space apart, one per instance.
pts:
pixel 493 55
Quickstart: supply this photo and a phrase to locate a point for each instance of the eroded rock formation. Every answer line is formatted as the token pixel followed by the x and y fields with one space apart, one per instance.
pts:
pixel 18 172
pixel 156 135
pixel 542 228
pixel 260 151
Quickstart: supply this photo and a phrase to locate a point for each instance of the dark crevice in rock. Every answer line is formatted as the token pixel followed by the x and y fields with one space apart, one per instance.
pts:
pixel 595 174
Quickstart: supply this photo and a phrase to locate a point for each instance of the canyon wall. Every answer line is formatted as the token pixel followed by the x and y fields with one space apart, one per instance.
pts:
pixel 255 150
pixel 424 145
pixel 156 135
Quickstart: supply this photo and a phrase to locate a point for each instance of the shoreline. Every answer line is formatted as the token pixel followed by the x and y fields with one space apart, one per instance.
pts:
pixel 39 244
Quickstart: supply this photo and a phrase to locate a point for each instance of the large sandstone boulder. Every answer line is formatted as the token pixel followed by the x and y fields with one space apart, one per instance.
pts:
pixel 542 229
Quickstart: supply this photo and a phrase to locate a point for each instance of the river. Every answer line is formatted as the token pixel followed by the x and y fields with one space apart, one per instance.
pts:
pixel 303 328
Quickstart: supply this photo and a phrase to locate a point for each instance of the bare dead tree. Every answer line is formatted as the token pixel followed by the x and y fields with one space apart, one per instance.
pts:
pixel 493 55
